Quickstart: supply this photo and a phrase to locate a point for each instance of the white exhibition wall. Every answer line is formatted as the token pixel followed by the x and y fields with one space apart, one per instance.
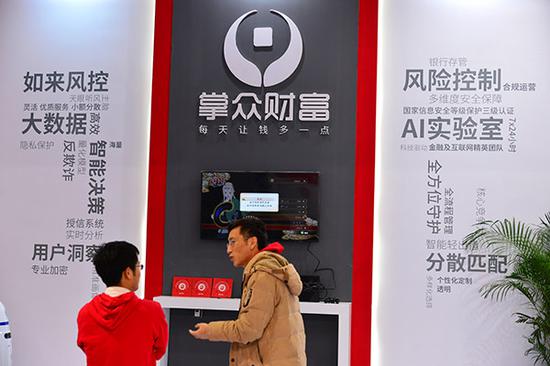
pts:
pixel 462 89
pixel 462 137
pixel 75 88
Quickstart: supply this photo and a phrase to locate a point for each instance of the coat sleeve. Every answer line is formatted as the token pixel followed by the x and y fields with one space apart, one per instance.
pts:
pixel 255 314
pixel 161 333
pixel 80 336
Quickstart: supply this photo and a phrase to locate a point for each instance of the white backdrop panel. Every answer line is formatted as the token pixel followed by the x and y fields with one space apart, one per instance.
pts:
pixel 462 136
pixel 75 86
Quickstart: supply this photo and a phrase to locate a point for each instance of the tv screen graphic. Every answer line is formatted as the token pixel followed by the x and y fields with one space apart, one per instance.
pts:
pixel 288 203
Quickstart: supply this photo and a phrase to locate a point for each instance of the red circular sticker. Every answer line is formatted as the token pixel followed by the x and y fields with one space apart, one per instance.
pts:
pixel 182 285
pixel 201 286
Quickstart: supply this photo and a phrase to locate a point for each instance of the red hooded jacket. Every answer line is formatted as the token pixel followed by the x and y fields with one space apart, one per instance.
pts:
pixel 274 247
pixel 122 331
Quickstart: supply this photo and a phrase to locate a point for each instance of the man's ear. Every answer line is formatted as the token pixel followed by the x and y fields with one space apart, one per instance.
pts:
pixel 127 273
pixel 253 242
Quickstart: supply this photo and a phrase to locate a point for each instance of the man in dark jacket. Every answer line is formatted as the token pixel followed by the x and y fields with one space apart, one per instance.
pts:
pixel 269 330
pixel 117 328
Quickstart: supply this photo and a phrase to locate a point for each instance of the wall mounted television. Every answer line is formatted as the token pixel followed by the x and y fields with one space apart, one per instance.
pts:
pixel 288 202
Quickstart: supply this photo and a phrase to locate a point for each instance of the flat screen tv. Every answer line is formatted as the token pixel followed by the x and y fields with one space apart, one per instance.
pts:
pixel 288 203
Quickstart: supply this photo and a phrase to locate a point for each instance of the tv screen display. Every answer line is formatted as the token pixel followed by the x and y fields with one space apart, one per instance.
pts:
pixel 288 203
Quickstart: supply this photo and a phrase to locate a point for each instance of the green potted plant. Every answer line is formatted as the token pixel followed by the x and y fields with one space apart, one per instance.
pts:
pixel 528 250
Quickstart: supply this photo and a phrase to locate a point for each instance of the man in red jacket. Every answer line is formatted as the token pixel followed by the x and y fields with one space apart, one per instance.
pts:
pixel 117 328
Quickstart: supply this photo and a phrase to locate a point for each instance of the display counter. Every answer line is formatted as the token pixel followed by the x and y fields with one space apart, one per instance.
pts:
pixel 198 304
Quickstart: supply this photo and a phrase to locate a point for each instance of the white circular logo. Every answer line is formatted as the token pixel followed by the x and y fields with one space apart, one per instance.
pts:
pixel 278 71
pixel 201 286
pixel 222 287
pixel 182 285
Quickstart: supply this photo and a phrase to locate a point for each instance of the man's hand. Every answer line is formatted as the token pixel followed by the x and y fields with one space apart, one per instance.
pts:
pixel 201 331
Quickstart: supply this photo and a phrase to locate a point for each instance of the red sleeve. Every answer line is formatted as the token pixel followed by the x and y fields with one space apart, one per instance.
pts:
pixel 80 337
pixel 161 333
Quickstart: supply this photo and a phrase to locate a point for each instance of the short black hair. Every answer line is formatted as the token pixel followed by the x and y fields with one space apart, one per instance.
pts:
pixel 112 258
pixel 251 226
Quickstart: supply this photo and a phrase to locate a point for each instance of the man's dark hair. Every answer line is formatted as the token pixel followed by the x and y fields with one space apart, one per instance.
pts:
pixel 111 259
pixel 251 226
